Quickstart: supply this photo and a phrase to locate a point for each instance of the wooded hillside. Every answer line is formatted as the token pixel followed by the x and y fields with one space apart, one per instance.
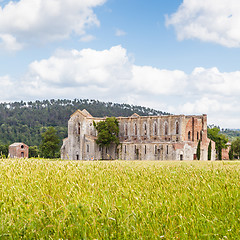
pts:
pixel 26 121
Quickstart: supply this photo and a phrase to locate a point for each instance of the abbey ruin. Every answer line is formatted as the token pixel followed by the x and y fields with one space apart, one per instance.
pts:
pixel 173 137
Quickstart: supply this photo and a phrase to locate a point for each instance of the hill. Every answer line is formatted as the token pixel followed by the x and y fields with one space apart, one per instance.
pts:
pixel 26 121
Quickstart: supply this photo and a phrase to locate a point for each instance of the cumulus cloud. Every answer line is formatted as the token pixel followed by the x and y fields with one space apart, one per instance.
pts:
pixel 9 43
pixel 110 71
pixel 208 20
pixel 111 75
pixel 214 82
pixel 27 21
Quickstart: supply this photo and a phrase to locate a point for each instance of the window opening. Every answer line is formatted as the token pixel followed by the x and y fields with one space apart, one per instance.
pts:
pixel 177 128
pixel 155 128
pixel 189 135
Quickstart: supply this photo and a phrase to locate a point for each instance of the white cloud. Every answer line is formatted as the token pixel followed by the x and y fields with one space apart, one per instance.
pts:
pixel 87 38
pixel 110 75
pixel 46 20
pixel 120 33
pixel 214 82
pixel 108 70
pixel 9 43
pixel 208 20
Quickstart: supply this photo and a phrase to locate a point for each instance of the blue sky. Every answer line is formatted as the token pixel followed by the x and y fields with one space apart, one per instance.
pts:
pixel 176 56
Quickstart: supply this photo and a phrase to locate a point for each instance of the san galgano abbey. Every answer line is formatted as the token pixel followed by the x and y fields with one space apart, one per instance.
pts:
pixel 173 137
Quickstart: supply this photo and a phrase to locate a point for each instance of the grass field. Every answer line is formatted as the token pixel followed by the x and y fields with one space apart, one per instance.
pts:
pixel 43 199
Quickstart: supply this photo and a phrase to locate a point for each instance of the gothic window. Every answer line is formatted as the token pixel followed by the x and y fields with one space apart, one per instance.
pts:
pixel 155 128
pixel 167 149
pixel 155 149
pixel 126 129
pixel 177 127
pixel 145 149
pixel 78 129
pixel 166 129
pixel 145 129
pixel 135 129
pixel 125 149
pixel 189 136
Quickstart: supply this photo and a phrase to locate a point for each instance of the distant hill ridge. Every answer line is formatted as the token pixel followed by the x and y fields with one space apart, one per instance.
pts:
pixel 25 121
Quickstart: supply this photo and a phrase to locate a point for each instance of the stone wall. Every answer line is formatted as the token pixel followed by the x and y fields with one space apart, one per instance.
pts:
pixel 173 137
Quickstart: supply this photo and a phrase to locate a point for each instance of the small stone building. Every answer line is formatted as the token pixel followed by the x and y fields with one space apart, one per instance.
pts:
pixel 173 137
pixel 18 150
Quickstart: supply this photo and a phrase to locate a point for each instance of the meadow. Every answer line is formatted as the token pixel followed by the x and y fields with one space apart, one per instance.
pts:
pixel 53 199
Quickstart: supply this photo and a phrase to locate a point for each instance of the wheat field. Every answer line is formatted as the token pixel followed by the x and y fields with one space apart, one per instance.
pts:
pixel 54 199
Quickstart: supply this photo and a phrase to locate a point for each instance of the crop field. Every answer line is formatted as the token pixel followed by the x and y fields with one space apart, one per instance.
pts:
pixel 53 199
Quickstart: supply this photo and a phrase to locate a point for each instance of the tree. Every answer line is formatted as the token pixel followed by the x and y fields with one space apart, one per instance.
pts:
pixel 230 154
pixel 236 147
pixel 108 131
pixel 4 151
pixel 219 139
pixel 210 150
pixel 198 150
pixel 33 151
pixel 49 147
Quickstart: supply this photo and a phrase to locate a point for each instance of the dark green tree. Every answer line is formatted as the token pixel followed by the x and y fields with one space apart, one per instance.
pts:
pixel 33 151
pixel 230 154
pixel 219 139
pixel 108 131
pixel 198 150
pixel 3 151
pixel 210 150
pixel 236 147
pixel 49 147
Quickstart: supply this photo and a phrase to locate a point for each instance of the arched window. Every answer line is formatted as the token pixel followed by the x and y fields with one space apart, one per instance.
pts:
pixel 189 136
pixel 201 135
pixel 135 129
pixel 87 148
pixel 78 129
pixel 145 128
pixel 166 129
pixel 155 128
pixel 125 149
pixel 167 149
pixel 145 149
pixel 155 149
pixel 177 127
pixel 126 129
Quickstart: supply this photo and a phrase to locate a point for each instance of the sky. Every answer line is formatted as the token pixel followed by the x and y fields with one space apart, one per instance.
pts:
pixel 176 56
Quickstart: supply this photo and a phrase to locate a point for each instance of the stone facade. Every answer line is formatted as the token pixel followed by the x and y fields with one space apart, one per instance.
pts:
pixel 225 152
pixel 173 137
pixel 18 150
